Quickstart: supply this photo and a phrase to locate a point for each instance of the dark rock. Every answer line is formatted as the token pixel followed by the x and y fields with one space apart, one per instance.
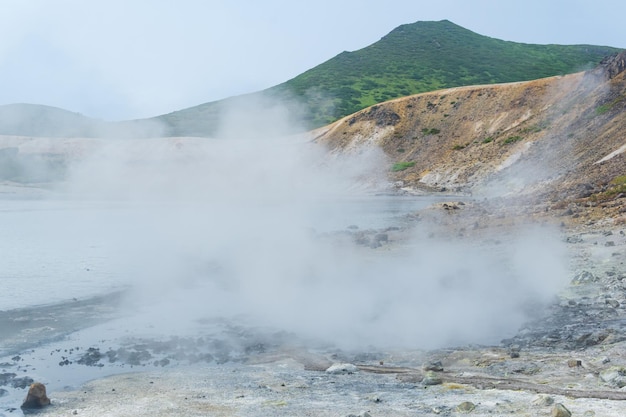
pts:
pixel 514 351
pixel 613 65
pixel 574 239
pixel 21 382
pixel 36 397
pixel 6 377
pixel 574 363
pixel 91 357
pixel 435 366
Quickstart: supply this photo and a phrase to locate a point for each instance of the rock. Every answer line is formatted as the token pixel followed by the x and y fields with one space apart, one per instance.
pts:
pixel 91 357
pixel 6 377
pixel 615 376
pixel 435 366
pixel 584 277
pixel 514 351
pixel 36 397
pixel 431 378
pixel 574 363
pixel 613 303
pixel 465 407
pixel 559 410
pixel 342 368
pixel 22 382
pixel 543 401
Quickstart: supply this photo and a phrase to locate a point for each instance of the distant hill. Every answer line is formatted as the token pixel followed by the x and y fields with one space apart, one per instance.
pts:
pixel 413 58
pixel 39 120
pixel 46 121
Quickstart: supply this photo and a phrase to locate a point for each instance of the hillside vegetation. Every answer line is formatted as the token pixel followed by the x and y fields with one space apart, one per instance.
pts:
pixel 413 58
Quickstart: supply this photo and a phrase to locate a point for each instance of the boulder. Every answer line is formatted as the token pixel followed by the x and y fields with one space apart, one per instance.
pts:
pixel 465 407
pixel 431 378
pixel 36 397
pixel 435 366
pixel 543 401
pixel 615 376
pixel 559 410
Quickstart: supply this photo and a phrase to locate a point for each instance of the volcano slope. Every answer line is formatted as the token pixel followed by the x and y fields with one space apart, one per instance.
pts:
pixel 554 145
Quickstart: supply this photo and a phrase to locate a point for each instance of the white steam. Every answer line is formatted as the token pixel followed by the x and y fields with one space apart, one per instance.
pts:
pixel 230 228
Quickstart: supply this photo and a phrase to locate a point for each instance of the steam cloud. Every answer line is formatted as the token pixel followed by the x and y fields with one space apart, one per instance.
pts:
pixel 230 228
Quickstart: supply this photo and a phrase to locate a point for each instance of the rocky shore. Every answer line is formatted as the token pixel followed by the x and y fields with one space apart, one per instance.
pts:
pixel 569 361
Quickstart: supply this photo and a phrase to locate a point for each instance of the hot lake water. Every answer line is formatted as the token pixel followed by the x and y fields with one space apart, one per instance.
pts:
pixel 56 250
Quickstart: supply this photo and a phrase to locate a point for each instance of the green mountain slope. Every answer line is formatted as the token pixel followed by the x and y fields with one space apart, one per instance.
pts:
pixel 413 58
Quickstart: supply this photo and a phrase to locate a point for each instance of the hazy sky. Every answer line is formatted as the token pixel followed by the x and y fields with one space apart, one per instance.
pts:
pixel 122 59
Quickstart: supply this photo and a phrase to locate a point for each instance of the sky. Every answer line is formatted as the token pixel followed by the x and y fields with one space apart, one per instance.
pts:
pixel 128 59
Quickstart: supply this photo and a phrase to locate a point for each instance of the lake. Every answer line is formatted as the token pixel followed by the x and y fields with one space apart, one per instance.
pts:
pixel 52 250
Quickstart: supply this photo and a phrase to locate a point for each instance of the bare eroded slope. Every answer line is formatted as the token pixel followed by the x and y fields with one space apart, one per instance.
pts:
pixel 558 142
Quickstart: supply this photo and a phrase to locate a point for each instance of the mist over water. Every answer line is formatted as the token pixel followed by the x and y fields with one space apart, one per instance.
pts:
pixel 236 228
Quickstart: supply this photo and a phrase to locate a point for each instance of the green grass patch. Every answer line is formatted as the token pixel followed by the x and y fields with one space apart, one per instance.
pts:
pixel 488 139
pixel 512 139
pixel 608 106
pixel 621 180
pixel 431 131
pixel 603 108
pixel 401 166
pixel 616 186
pixel 534 128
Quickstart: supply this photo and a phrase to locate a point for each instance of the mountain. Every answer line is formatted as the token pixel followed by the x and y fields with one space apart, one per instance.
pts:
pixel 553 145
pixel 413 58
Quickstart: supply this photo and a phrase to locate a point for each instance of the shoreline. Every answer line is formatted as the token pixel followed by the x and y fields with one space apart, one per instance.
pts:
pixel 287 379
